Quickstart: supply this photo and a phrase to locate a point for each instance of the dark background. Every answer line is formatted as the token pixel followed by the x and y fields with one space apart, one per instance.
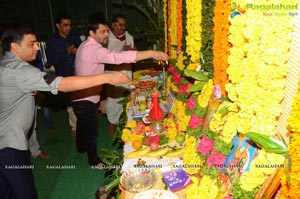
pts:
pixel 37 14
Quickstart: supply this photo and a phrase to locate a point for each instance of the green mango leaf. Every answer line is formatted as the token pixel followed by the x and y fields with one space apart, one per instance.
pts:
pixel 197 87
pixel 196 75
pixel 269 143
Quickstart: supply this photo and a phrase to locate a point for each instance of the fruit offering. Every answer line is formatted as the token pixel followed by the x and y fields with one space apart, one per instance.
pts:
pixel 137 144
pixel 180 138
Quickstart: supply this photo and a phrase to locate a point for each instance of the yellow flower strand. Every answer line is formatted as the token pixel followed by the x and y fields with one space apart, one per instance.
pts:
pixel 292 190
pixel 173 27
pixel 193 23
pixel 191 158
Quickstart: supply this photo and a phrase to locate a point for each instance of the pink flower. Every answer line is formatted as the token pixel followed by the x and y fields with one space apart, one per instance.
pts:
pixel 191 103
pixel 171 69
pixel 206 145
pixel 217 91
pixel 187 88
pixel 228 197
pixel 216 158
pixel 195 122
pixel 181 89
pixel 176 77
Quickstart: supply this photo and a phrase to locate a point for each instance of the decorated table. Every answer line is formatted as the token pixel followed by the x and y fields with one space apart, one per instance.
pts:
pixel 232 119
pixel 146 148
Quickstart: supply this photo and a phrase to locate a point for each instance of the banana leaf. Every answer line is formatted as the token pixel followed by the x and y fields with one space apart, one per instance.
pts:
pixel 197 87
pixel 196 75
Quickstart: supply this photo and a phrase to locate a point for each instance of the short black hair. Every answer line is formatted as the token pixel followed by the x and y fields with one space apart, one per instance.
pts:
pixel 94 20
pixel 14 34
pixel 118 15
pixel 60 16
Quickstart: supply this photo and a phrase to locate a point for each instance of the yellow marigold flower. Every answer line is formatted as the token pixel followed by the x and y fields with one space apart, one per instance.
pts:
pixel 131 124
pixel 171 128
pixel 193 66
pixel 230 128
pixel 208 188
pixel 182 119
pixel 251 180
pixel 206 93
pixel 125 135
pixel 190 156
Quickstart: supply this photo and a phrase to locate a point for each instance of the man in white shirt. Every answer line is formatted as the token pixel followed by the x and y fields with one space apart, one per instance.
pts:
pixel 119 40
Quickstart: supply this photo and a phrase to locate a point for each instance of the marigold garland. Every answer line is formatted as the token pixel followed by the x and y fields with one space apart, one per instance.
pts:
pixel 169 8
pixel 172 22
pixel 291 189
pixel 179 25
pixel 173 28
pixel 221 45
pixel 182 119
pixel 191 157
pixel 193 20
pixel 165 25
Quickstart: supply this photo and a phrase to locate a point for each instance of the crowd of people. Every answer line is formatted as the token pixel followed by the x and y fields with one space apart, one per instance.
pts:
pixel 79 72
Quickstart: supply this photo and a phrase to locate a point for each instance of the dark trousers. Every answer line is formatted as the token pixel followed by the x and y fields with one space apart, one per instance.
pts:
pixel 16 179
pixel 87 129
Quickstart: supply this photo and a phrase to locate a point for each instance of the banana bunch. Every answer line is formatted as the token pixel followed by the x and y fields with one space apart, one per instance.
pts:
pixel 177 153
pixel 137 153
pixel 157 153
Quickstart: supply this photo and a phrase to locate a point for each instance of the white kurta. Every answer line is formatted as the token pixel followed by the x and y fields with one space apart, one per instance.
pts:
pixel 116 93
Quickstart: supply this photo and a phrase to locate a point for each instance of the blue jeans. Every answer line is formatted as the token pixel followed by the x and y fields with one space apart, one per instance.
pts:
pixel 87 129
pixel 16 179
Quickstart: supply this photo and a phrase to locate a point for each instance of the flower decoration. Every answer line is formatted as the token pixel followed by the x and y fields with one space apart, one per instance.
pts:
pixel 179 24
pixel 206 188
pixel 216 158
pixel 191 156
pixel 290 178
pixel 183 89
pixel 182 118
pixel 191 103
pixel 206 93
pixel 193 37
pixel 176 77
pixel 254 72
pixel 205 146
pixel 171 128
pixel 195 122
pixel 179 83
pixel 250 55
